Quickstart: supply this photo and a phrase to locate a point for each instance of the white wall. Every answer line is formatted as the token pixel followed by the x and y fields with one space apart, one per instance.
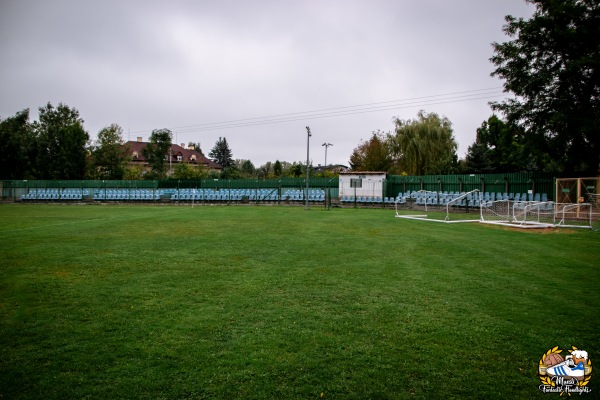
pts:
pixel 372 185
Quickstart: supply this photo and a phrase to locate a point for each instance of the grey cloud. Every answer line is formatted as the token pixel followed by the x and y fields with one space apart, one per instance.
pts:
pixel 155 64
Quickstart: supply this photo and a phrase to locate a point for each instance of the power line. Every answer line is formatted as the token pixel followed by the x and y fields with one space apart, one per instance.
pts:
pixel 478 94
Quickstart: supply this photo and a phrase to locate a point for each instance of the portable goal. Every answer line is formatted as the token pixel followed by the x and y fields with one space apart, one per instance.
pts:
pixel 536 214
pixel 458 207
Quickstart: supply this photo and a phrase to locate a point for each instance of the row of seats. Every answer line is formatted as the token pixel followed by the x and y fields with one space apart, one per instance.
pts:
pixel 248 194
pixel 127 195
pixel 423 198
pixel 55 194
pixel 173 194
pixel 485 196
pixel 366 199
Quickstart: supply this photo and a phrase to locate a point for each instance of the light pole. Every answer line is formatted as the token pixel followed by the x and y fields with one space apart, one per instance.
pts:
pixel 307 166
pixel 326 146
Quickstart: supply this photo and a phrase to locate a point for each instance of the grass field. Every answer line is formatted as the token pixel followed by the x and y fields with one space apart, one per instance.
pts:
pixel 168 302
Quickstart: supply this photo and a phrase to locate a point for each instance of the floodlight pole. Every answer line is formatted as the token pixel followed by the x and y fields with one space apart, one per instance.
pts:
pixel 307 166
pixel 326 146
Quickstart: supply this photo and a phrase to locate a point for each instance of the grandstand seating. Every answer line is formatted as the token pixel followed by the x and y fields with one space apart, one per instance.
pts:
pixel 441 199
pixel 289 195
pixel 55 194
pixel 253 195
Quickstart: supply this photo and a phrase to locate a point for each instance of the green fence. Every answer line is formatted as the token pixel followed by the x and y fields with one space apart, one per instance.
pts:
pixel 248 183
pixel 18 189
pixel 502 183
pixel 537 182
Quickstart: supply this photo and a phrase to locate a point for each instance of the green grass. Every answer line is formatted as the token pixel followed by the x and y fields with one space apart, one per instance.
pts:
pixel 277 302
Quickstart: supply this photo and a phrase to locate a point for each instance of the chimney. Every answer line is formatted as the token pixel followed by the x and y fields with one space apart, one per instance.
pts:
pixel 139 139
pixel 183 145
pixel 190 147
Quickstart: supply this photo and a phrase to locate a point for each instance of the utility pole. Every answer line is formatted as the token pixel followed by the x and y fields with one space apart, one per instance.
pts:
pixel 307 166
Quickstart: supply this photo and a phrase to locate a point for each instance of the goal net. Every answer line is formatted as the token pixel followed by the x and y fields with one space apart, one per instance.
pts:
pixel 458 208
pixel 539 214
pixel 536 214
pixel 574 215
pixel 417 201
pixel 496 211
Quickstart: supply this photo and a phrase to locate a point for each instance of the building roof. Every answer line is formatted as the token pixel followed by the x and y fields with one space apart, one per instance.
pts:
pixel 364 173
pixel 187 155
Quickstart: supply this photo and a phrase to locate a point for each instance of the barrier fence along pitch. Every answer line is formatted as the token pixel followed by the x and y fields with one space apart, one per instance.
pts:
pixel 393 185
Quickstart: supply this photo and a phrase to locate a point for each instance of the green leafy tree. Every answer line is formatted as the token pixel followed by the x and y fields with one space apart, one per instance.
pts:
pixel 133 173
pixel 372 155
pixel 247 169
pixel 551 65
pixel 425 145
pixel 277 168
pixel 109 155
pixel 61 141
pixel 230 172
pixel 187 171
pixel 15 139
pixel 157 151
pixel 477 160
pixel 297 169
pixel 221 153
pixel 501 141
pixel 265 171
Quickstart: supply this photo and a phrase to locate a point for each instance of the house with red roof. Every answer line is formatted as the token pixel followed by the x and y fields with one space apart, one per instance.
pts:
pixel 177 155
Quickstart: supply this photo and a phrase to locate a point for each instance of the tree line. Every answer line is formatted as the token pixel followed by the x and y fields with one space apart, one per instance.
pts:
pixel 57 147
pixel 426 146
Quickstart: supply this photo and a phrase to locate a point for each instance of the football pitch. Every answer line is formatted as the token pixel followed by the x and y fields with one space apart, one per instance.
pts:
pixel 260 302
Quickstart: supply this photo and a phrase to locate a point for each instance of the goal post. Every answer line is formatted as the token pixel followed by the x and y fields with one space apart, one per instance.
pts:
pixel 497 211
pixel 461 203
pixel 594 200
pixel 574 215
pixel 540 213
pixel 537 214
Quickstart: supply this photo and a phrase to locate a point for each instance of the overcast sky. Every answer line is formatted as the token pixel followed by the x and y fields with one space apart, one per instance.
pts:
pixel 210 69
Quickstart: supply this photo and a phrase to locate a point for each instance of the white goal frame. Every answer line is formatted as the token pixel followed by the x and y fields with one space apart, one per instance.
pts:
pixel 536 214
pixel 459 200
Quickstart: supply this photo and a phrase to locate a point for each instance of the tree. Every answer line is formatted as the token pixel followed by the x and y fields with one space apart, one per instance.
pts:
pixel 277 168
pixel 551 65
pixel 15 139
pixel 297 169
pixel 423 146
pixel 221 153
pixel 477 159
pixel 156 152
pixel 60 151
pixel 247 168
pixel 186 171
pixel 264 171
pixel 372 155
pixel 498 147
pixel 109 154
pixel 133 173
